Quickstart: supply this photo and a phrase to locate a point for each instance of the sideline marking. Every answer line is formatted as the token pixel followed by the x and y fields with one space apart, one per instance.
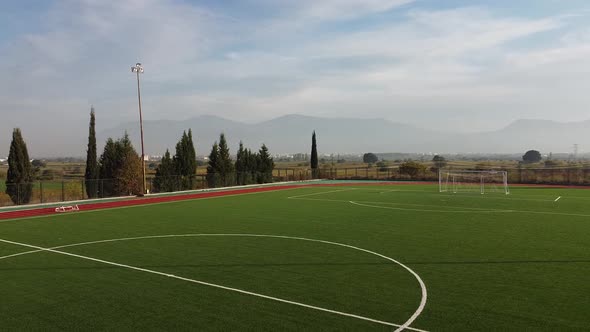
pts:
pixel 557 199
pixel 472 195
pixel 401 327
pixel 388 191
pixel 425 210
pixel 465 208
pixel 321 193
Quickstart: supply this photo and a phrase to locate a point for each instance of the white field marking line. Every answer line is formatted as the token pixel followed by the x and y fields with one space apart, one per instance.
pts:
pixel 469 195
pixel 475 211
pixel 144 205
pixel 459 208
pixel 388 191
pixel 405 325
pixel 557 199
pixel 426 210
pixel 321 193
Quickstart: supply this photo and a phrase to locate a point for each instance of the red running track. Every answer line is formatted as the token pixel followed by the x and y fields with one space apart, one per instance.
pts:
pixel 138 201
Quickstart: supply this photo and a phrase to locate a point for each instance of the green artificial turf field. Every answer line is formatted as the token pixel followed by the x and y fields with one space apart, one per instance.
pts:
pixel 488 262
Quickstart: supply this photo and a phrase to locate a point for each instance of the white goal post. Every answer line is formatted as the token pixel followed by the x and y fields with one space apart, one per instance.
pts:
pixel 459 181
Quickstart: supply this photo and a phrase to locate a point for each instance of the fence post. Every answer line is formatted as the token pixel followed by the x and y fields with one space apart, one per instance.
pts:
pixel 63 191
pixel 82 183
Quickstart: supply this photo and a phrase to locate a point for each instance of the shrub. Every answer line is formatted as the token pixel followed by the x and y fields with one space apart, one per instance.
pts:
pixel 412 168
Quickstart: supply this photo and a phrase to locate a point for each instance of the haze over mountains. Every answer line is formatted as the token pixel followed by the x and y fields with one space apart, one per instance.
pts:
pixel 292 134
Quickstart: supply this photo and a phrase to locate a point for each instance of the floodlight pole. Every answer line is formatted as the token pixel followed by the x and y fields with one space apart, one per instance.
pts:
pixel 138 69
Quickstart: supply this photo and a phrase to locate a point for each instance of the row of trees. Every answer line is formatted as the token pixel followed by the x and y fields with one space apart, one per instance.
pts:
pixel 119 166
pixel 178 172
pixel 248 168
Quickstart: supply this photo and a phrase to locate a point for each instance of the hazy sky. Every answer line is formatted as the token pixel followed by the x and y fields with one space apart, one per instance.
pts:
pixel 455 65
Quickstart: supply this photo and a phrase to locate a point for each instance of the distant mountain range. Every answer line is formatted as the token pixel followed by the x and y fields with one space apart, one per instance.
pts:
pixel 292 134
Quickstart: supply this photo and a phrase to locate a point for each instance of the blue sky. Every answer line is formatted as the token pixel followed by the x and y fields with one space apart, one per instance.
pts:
pixel 448 65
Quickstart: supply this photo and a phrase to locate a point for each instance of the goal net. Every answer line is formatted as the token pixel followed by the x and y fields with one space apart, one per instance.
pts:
pixel 483 182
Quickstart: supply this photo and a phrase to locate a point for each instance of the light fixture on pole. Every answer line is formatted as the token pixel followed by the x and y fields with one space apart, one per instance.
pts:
pixel 138 69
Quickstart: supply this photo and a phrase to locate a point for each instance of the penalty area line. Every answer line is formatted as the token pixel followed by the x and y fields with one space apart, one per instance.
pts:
pixel 168 275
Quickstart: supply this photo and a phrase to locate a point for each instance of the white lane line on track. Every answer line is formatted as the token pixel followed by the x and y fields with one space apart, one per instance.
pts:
pixel 557 199
pixel 401 327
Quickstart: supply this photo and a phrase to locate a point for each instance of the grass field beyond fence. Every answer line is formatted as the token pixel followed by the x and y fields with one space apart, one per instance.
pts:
pixel 488 262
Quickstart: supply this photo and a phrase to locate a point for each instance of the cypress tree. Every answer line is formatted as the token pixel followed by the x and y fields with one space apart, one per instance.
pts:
pixel 91 174
pixel 213 167
pixel 314 157
pixel 19 179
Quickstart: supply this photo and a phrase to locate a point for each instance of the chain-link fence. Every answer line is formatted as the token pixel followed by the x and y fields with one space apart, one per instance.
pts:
pixel 79 189
pixel 559 176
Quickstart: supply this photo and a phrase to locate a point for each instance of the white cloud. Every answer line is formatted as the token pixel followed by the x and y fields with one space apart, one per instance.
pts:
pixel 420 68
pixel 343 9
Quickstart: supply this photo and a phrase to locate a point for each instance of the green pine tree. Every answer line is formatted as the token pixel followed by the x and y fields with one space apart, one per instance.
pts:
pixel 251 166
pixel 109 163
pixel 314 157
pixel 119 168
pixel 19 179
pixel 240 165
pixel 191 158
pixel 128 174
pixel 265 165
pixel 166 180
pixel 213 167
pixel 91 174
pixel 225 164
pixel 185 160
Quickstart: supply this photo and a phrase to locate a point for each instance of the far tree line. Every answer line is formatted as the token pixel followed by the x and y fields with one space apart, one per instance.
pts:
pixel 117 171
